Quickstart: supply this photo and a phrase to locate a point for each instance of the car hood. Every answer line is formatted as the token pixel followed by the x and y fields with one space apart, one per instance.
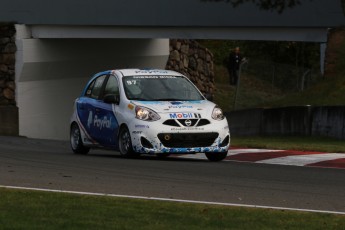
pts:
pixel 202 106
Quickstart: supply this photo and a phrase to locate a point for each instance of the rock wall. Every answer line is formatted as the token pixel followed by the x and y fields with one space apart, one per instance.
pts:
pixel 8 110
pixel 336 38
pixel 7 63
pixel 193 60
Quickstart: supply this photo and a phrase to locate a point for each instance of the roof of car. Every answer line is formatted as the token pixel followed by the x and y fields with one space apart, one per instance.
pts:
pixel 141 72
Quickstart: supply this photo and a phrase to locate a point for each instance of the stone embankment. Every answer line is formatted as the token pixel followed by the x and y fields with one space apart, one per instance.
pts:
pixel 8 108
pixel 7 64
pixel 336 39
pixel 193 60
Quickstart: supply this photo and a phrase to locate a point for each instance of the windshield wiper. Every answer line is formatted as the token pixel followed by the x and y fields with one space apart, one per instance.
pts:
pixel 168 99
pixel 138 99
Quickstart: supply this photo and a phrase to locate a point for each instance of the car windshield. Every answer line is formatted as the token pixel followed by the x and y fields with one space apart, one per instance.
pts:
pixel 160 88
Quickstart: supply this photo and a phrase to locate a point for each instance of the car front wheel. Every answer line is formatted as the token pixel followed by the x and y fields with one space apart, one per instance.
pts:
pixel 125 143
pixel 76 142
pixel 216 156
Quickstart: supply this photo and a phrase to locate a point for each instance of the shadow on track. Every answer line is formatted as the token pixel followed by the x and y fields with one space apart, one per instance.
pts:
pixel 116 155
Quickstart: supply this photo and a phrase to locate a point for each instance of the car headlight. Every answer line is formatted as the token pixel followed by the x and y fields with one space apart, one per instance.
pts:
pixel 217 113
pixel 146 114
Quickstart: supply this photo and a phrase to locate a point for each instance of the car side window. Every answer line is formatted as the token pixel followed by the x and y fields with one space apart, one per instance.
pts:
pixel 95 87
pixel 112 86
pixel 89 89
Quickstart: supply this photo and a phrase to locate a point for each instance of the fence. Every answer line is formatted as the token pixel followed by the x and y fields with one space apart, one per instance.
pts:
pixel 284 77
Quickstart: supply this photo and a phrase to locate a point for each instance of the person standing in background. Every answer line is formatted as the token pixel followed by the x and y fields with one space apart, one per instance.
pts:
pixel 234 63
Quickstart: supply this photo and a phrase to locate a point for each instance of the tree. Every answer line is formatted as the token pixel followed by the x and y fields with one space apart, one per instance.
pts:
pixel 278 5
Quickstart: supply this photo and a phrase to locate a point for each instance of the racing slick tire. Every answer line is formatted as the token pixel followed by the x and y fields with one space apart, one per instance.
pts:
pixel 216 156
pixel 76 141
pixel 125 143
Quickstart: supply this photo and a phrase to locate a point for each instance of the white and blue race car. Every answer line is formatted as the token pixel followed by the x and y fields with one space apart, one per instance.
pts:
pixel 136 111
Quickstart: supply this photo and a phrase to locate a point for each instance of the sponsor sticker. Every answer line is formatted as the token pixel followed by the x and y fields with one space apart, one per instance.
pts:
pixel 131 82
pixel 187 129
pixel 152 77
pixel 137 132
pixel 151 71
pixel 180 107
pixel 184 115
pixel 176 102
pixel 142 126
pixel 101 123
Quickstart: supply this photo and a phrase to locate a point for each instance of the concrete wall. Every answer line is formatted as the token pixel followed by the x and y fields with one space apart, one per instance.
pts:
pixel 286 121
pixel 245 122
pixel 177 13
pixel 329 121
pixel 9 120
pixel 302 120
pixel 52 72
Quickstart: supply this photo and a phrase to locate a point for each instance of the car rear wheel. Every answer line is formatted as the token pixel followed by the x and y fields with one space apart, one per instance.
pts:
pixel 76 142
pixel 216 156
pixel 125 143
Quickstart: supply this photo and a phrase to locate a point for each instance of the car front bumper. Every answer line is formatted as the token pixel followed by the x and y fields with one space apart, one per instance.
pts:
pixel 154 138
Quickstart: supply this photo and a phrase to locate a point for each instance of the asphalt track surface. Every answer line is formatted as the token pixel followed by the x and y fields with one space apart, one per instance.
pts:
pixel 51 165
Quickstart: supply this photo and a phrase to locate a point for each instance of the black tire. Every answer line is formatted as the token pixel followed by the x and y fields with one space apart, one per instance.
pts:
pixel 76 141
pixel 125 143
pixel 216 156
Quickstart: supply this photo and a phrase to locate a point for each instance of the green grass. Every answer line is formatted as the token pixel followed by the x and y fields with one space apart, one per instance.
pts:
pixel 302 143
pixel 252 92
pixel 328 92
pixel 42 210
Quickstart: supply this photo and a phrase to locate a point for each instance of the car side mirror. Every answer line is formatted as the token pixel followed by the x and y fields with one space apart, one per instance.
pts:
pixel 111 99
pixel 209 96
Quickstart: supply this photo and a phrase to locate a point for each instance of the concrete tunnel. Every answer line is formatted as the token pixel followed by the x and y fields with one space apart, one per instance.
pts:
pixel 51 73
pixel 60 45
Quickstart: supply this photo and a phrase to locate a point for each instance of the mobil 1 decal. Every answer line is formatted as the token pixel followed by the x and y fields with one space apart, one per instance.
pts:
pixel 184 115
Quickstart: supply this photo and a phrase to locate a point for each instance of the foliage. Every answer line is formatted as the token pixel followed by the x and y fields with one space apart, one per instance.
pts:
pixel 303 54
pixel 277 5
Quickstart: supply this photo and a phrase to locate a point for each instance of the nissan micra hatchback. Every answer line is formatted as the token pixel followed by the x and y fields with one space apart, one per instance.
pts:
pixel 136 111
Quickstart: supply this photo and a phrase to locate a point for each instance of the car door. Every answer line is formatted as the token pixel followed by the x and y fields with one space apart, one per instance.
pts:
pixel 87 107
pixel 104 120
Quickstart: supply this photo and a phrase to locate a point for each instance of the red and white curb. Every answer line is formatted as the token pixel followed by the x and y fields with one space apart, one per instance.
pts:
pixel 282 157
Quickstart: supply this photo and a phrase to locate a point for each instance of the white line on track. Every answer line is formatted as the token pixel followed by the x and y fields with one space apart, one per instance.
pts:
pixel 239 151
pixel 173 200
pixel 302 160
